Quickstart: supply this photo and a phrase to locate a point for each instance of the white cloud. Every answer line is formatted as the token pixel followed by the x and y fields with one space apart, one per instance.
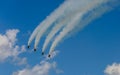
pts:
pixel 8 46
pixel 9 49
pixel 20 61
pixel 40 69
pixel 113 69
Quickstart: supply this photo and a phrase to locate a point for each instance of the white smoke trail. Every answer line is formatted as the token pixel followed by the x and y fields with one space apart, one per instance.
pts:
pixel 56 29
pixel 71 16
pixel 71 26
pixel 49 20
pixel 58 38
pixel 75 7
pixel 92 16
pixel 64 9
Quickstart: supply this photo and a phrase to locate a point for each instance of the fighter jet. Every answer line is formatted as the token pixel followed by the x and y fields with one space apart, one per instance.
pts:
pixel 34 50
pixel 49 55
pixel 42 53
pixel 28 46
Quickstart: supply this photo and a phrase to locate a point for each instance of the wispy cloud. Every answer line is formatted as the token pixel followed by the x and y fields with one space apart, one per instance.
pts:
pixel 40 69
pixel 9 48
pixel 43 68
pixel 10 51
pixel 113 69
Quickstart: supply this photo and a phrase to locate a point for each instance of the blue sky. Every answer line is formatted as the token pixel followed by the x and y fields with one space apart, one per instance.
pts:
pixel 86 53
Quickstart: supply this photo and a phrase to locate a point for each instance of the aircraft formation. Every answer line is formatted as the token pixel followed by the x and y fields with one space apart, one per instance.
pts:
pixel 70 17
pixel 41 53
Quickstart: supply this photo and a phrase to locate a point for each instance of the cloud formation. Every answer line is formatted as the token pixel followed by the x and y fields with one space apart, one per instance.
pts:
pixel 113 69
pixel 43 68
pixel 9 48
pixel 40 69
